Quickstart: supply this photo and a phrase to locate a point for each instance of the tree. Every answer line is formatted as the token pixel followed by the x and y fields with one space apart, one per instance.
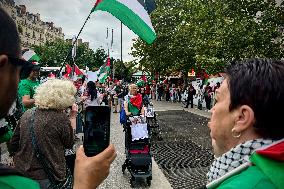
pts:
pixel 54 53
pixel 123 70
pixel 207 34
pixel 100 57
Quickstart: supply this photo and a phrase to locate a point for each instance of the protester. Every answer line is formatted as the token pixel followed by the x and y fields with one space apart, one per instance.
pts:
pixel 53 132
pixel 246 119
pixel 120 95
pixel 172 92
pixel 145 98
pixel 207 95
pixel 115 97
pixel 89 171
pixel 153 91
pixel 148 90
pixel 191 93
pixel 28 85
pixel 179 91
pixel 133 102
pixel 160 90
pixel 91 97
pixel 167 92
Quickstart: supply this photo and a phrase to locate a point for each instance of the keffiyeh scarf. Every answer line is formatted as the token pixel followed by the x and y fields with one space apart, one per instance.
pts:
pixel 235 157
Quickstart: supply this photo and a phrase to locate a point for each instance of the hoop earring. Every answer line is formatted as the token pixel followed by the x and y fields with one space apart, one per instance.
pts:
pixel 236 134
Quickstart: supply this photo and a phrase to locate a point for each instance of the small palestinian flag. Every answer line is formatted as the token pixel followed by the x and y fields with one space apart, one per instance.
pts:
pixel 31 56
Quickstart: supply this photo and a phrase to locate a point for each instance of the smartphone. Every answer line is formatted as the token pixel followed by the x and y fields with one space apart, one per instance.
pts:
pixel 96 130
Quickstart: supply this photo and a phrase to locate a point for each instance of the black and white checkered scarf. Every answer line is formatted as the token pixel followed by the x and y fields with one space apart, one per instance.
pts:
pixel 234 158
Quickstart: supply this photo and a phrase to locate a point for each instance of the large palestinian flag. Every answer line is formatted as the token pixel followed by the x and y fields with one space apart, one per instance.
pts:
pixel 132 14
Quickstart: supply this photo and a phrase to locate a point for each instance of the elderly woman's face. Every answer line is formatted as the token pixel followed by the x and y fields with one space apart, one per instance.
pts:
pixel 222 121
pixel 133 90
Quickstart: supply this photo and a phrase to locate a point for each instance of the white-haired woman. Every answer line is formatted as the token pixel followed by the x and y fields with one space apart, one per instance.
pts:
pixel 53 131
pixel 133 102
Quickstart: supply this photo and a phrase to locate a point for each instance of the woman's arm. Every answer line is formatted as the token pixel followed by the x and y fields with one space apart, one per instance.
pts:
pixel 73 115
pixel 27 101
pixel 143 111
pixel 126 108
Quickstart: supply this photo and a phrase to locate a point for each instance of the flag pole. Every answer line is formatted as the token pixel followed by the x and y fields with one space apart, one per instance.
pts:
pixel 70 50
pixel 121 41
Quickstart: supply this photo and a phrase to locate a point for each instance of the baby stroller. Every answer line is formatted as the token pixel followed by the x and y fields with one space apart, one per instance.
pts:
pixel 151 119
pixel 137 149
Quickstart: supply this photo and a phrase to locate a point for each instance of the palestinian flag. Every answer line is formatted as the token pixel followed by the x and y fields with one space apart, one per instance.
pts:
pixel 104 72
pixel 30 56
pixel 143 77
pixel 132 14
pixel 77 73
pixel 135 104
pixel 140 83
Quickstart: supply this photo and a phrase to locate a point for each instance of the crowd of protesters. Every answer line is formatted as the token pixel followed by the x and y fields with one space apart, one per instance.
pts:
pixel 183 93
pixel 44 126
pixel 245 126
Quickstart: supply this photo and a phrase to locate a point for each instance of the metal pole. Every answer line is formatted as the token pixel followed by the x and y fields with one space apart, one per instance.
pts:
pixel 70 50
pixel 121 41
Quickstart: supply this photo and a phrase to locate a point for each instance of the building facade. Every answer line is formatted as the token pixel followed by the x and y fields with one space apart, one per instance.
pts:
pixel 32 30
pixel 79 42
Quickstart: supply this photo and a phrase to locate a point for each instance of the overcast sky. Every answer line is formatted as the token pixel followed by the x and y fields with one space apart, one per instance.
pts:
pixel 71 14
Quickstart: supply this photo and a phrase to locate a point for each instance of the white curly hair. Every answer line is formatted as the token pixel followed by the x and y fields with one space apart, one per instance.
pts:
pixel 55 94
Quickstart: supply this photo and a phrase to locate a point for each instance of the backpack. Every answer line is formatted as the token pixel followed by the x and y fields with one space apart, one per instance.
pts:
pixel 122 116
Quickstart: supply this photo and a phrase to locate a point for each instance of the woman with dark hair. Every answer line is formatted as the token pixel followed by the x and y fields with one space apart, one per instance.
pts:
pixel 246 127
pixel 92 97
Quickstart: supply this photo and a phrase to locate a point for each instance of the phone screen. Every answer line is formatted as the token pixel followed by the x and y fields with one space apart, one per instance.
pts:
pixel 96 130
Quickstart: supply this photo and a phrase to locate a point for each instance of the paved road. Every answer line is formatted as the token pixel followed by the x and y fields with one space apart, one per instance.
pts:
pixel 185 152
pixel 167 106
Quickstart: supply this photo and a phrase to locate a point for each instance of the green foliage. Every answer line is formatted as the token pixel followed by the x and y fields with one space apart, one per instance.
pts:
pixel 123 70
pixel 54 53
pixel 207 34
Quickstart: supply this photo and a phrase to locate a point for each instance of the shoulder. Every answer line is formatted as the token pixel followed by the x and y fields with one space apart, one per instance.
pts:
pixel 15 181
pixel 53 115
pixel 251 178
pixel 23 83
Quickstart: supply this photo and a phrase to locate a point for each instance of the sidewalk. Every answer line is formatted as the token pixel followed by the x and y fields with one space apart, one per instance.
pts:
pixel 118 180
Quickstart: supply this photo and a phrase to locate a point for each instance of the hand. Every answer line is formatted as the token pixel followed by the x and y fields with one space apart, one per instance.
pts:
pixel 127 113
pixel 90 172
pixel 74 111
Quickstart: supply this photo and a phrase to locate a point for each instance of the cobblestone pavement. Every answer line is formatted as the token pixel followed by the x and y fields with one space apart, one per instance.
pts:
pixel 185 152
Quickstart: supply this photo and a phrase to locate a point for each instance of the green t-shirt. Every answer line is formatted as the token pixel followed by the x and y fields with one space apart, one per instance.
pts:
pixel 27 87
pixel 17 182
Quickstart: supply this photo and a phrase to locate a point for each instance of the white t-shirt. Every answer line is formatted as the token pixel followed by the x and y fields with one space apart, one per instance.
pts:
pixel 95 102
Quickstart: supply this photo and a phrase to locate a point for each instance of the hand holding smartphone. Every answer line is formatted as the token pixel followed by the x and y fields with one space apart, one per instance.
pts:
pixel 96 130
